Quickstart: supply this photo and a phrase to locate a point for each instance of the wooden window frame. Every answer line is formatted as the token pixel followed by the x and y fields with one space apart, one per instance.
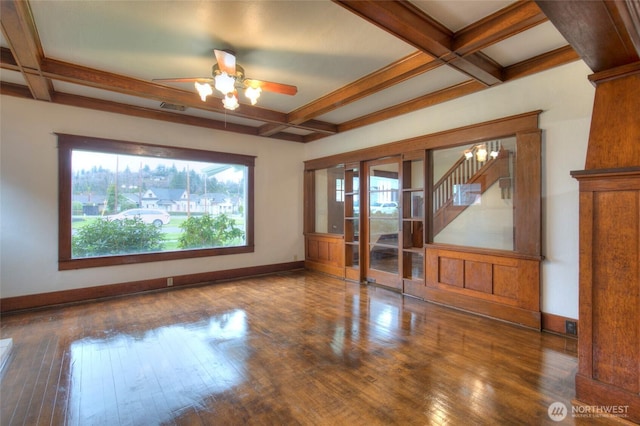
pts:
pixel 67 143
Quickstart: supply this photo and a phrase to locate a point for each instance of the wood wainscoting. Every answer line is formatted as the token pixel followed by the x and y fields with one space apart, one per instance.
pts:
pixel 503 286
pixel 325 253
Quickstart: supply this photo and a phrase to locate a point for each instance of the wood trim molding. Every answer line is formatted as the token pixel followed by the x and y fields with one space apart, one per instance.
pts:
pixel 597 393
pixel 557 324
pixel 513 314
pixel 43 300
pixel 507 126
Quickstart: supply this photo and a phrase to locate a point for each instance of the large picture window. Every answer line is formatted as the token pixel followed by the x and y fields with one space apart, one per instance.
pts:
pixel 124 202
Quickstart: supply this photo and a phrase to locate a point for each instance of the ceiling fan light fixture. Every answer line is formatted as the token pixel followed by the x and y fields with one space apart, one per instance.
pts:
pixel 253 93
pixel 204 90
pixel 224 83
pixel 230 101
pixel 227 76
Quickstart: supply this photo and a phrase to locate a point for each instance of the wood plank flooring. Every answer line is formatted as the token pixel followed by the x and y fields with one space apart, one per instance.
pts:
pixel 295 348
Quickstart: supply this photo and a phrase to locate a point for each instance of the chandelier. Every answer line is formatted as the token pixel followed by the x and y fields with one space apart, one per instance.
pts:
pixel 481 153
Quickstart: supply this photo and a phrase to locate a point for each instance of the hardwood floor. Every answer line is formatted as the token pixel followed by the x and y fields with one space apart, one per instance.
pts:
pixel 292 348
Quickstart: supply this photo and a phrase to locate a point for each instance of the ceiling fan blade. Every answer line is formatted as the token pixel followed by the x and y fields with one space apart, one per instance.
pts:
pixel 184 80
pixel 269 86
pixel 226 61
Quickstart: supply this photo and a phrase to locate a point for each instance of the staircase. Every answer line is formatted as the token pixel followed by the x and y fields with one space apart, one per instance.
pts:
pixel 466 172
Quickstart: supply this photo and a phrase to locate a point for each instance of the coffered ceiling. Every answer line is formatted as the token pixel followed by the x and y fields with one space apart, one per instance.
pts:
pixel 354 63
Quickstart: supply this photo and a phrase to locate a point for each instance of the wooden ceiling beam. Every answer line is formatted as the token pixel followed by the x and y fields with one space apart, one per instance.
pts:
pixel 438 46
pixel 271 129
pixel 628 16
pixel 142 112
pixel 311 125
pixel 397 72
pixel 561 56
pixel 71 73
pixel 7 60
pixel 405 21
pixel 552 59
pixel 457 91
pixel 505 23
pixel 408 23
pixel 15 90
pixel 604 39
pixel 401 70
pixel 20 32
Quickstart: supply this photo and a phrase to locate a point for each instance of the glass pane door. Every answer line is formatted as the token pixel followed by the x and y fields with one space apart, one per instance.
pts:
pixel 383 241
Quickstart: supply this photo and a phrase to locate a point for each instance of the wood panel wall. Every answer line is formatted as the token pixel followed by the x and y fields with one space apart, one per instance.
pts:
pixel 325 253
pixel 609 340
pixel 502 286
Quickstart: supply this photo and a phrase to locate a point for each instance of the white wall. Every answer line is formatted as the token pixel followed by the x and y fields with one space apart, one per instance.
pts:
pixel 29 195
pixel 28 180
pixel 566 98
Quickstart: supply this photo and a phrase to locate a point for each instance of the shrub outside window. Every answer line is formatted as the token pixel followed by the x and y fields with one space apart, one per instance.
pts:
pixel 124 202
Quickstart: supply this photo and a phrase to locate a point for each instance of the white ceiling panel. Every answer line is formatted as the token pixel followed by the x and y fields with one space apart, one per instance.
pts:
pixel 457 14
pixel 12 77
pixel 308 44
pixel 535 41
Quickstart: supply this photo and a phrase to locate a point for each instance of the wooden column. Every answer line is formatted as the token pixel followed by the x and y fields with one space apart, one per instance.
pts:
pixel 609 340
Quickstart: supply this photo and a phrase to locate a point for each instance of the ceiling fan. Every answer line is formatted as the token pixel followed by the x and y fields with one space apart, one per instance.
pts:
pixel 227 77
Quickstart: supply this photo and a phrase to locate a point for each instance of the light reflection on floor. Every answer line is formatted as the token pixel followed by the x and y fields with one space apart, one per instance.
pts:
pixel 114 380
pixel 299 349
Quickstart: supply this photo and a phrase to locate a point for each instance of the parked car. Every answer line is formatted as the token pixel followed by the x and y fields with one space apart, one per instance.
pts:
pixel 390 207
pixel 154 216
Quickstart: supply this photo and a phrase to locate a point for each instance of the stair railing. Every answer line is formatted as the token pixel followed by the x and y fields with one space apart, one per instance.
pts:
pixel 459 174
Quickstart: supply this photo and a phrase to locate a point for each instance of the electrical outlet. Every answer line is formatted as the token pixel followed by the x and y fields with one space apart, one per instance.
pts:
pixel 571 327
pixel 295 257
pixel 169 281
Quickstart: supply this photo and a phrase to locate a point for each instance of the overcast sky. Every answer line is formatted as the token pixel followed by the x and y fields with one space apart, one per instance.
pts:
pixel 86 160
